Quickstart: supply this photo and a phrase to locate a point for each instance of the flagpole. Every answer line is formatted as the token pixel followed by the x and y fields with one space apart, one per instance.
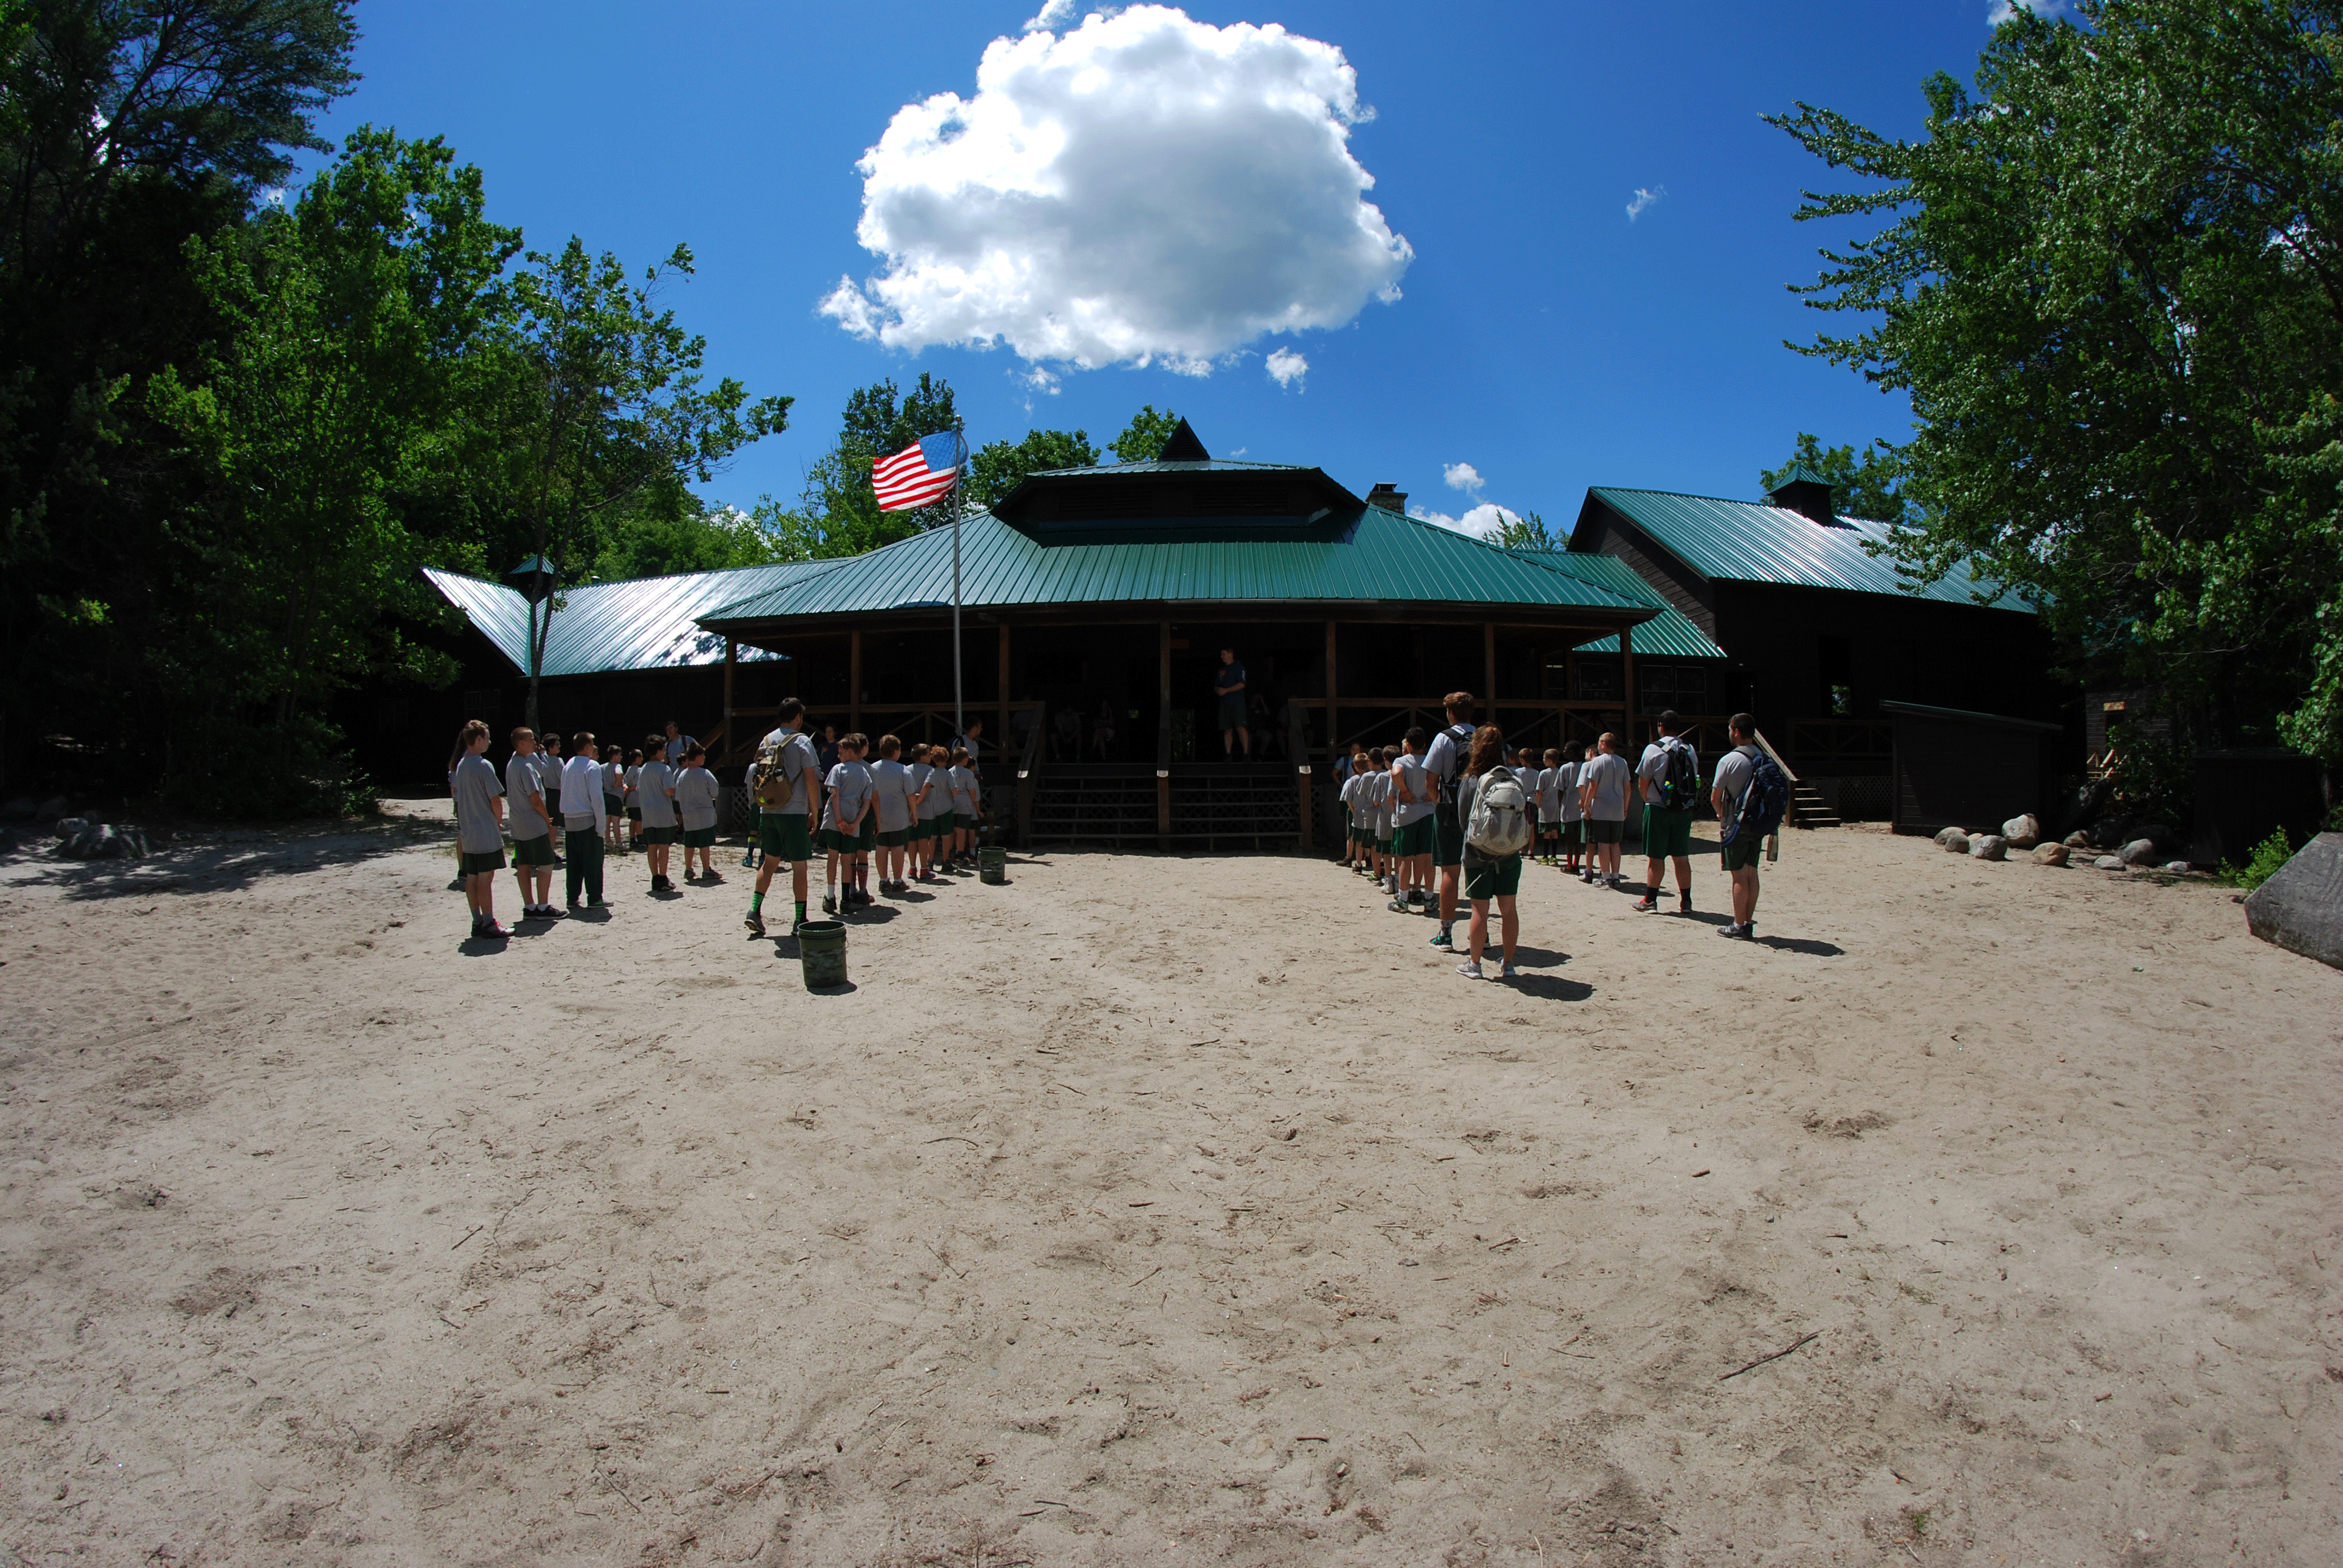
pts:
pixel 960 720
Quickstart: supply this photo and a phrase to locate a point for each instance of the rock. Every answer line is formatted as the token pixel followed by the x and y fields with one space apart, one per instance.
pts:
pixel 1990 847
pixel 71 827
pixel 2050 855
pixel 2180 867
pixel 2023 832
pixel 102 841
pixel 1957 843
pixel 2156 833
pixel 2078 840
pixel 2301 908
pixel 54 807
pixel 1945 835
pixel 22 806
pixel 2139 852
pixel 2108 863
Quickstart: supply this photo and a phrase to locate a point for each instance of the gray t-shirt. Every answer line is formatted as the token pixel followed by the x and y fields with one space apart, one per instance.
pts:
pixel 1734 774
pixel 525 777
pixel 1353 808
pixel 1444 758
pixel 1608 774
pixel 651 793
pixel 1568 777
pixel 1410 770
pixel 891 781
pixel 849 792
pixel 1655 765
pixel 476 789
pixel 581 802
pixel 800 770
pixel 695 798
pixel 614 778
pixel 927 775
pixel 1379 795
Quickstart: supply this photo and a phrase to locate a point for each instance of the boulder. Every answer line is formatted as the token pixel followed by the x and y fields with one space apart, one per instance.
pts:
pixel 1957 844
pixel 1947 835
pixel 2078 840
pixel 104 842
pixel 2108 863
pixel 2301 908
pixel 2179 868
pixel 2023 832
pixel 54 807
pixel 1990 847
pixel 2139 852
pixel 2050 855
pixel 69 827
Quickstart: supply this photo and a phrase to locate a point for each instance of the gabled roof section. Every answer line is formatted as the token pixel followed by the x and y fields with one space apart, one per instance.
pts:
pixel 1667 635
pixel 1379 558
pixel 1749 541
pixel 1175 493
pixel 599 627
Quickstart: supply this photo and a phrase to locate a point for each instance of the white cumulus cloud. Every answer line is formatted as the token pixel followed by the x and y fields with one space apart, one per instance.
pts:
pixel 1142 187
pixel 1049 17
pixel 1476 522
pixel 1464 476
pixel 1644 199
pixel 2000 11
pixel 1287 368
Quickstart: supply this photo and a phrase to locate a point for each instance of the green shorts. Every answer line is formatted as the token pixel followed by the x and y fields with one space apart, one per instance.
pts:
pixel 841 842
pixel 1410 840
pixel 1666 834
pixel 700 837
pixel 1448 846
pixel 1232 712
pixel 894 837
pixel 1385 845
pixel 611 805
pixel 1741 855
pixel 661 835
pixel 634 813
pixel 472 863
pixel 537 851
pixel 1599 831
pixel 784 836
pixel 1493 878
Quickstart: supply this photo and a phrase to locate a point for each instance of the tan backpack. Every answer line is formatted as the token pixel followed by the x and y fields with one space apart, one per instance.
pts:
pixel 773 788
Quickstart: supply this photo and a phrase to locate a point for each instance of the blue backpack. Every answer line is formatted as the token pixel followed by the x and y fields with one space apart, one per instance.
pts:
pixel 1763 805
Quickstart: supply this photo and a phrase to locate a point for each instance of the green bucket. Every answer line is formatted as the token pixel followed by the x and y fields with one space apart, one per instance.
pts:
pixel 992 864
pixel 822 949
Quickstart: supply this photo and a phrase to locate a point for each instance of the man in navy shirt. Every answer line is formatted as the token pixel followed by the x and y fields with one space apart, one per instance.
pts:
pixel 1231 687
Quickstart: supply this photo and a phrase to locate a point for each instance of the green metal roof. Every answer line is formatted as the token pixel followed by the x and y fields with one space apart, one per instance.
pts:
pixel 1380 557
pixel 647 623
pixel 1671 634
pixel 1749 541
pixel 1173 465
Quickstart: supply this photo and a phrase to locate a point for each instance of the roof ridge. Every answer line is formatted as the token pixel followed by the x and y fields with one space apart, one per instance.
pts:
pixel 1510 555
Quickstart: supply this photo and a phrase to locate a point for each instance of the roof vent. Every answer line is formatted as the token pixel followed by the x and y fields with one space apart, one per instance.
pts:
pixel 1183 447
pixel 1804 491
pixel 1389 497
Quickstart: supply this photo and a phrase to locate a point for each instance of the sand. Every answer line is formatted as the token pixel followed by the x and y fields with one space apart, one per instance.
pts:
pixel 1164 1211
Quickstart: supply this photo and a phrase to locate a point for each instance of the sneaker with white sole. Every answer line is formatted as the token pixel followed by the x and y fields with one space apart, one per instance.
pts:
pixel 1470 971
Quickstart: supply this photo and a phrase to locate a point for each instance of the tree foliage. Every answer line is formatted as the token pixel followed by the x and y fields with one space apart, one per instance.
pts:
pixel 2111 282
pixel 1143 440
pixel 837 512
pixel 999 466
pixel 1865 489
pixel 1523 533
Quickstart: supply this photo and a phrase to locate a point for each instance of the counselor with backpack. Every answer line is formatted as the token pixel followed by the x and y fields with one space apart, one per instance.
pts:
pixel 1751 796
pixel 1669 777
pixel 1492 806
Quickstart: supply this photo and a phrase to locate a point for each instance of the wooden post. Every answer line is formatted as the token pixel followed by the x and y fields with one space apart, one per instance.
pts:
pixel 732 666
pixel 1627 686
pixel 1489 670
pixel 1334 728
pixel 854 678
pixel 1001 733
pixel 1163 733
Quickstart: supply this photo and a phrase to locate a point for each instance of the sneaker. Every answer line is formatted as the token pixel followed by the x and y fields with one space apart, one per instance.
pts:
pixel 495 932
pixel 1684 903
pixel 1469 971
pixel 1399 907
pixel 711 875
pixel 1647 904
pixel 1731 930
pixel 755 922
pixel 1442 939
pixel 828 904
pixel 548 913
pixel 1508 972
pixel 596 904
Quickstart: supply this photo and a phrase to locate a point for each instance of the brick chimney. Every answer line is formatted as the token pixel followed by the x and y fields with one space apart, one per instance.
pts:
pixel 1389 496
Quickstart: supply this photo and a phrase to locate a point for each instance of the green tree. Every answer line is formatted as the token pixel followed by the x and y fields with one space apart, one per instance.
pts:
pixel 1143 439
pixel 603 400
pixel 1864 490
pixel 126 131
pixel 2111 281
pixel 837 512
pixel 999 466
pixel 667 529
pixel 332 388
pixel 1523 533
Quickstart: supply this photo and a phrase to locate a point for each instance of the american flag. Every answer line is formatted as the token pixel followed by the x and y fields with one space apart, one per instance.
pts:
pixel 918 474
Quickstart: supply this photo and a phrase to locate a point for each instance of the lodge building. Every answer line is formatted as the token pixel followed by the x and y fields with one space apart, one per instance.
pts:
pixel 1106 593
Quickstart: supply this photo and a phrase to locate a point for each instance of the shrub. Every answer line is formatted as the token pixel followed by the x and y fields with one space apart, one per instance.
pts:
pixel 2268 856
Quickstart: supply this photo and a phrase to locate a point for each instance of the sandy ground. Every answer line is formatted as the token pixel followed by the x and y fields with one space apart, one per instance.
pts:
pixel 1164 1211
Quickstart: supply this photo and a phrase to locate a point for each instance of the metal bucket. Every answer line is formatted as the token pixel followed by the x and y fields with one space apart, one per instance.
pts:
pixel 822 949
pixel 992 864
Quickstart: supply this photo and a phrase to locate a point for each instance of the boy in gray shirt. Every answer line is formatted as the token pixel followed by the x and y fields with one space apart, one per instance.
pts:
pixel 532 827
pixel 479 828
pixel 696 794
pixel 845 813
pixel 655 792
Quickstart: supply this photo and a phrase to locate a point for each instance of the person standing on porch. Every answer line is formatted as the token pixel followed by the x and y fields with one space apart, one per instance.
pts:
pixel 1229 687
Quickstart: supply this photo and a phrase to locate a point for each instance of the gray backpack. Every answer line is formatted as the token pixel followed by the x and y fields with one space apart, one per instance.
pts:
pixel 1500 824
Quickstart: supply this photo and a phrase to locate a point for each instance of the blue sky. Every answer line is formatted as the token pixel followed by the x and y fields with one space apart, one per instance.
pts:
pixel 1541 336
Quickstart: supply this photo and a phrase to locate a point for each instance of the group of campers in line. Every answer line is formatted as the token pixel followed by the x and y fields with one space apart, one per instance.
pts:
pixel 914 809
pixel 1461 804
